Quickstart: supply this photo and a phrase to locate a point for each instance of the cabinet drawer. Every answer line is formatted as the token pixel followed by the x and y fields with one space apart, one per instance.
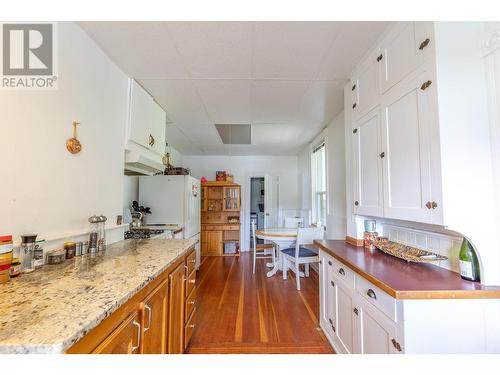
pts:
pixel 377 297
pixel 189 328
pixel 190 282
pixel 190 262
pixel 343 273
pixel 231 227
pixel 190 305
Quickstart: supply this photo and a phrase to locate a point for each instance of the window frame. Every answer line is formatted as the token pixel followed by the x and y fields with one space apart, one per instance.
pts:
pixel 320 142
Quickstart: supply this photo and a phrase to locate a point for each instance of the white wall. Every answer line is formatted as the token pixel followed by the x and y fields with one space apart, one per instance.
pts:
pixel 336 178
pixel 44 188
pixel 336 215
pixel 130 190
pixel 244 167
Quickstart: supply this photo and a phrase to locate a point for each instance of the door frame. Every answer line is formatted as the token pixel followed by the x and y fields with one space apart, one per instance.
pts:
pixel 246 209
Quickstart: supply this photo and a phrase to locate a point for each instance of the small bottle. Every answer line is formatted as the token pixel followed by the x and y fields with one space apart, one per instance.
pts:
pixel 101 228
pixel 93 233
pixel 469 263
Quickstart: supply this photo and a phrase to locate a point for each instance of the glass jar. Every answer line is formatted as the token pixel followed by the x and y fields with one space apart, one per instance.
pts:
pixel 38 259
pixel 70 249
pixel 101 244
pixel 26 253
pixel 93 233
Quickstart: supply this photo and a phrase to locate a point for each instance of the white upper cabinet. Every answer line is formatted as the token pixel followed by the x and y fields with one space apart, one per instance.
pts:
pixel 147 120
pixel 365 87
pixel 158 130
pixel 406 151
pixel 402 51
pixel 141 115
pixel 367 165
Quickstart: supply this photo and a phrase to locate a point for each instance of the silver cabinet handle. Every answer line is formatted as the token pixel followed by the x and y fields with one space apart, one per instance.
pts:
pixel 134 348
pixel 370 293
pixel 355 310
pixel 150 313
pixel 342 272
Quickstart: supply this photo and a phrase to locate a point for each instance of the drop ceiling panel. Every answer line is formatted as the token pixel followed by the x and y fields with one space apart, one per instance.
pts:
pixel 322 101
pixel 141 49
pixel 179 98
pixel 277 101
pixel 214 49
pixel 227 101
pixel 354 41
pixel 292 49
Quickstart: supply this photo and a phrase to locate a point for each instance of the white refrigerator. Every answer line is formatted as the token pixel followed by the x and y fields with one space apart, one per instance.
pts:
pixel 173 200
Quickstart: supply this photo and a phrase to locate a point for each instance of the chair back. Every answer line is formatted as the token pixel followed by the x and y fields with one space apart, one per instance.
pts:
pixel 252 223
pixel 294 222
pixel 306 236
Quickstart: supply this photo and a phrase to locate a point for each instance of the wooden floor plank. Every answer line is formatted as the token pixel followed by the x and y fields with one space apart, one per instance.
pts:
pixel 242 312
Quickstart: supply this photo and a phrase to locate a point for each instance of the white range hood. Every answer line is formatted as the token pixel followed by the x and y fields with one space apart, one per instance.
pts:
pixel 137 163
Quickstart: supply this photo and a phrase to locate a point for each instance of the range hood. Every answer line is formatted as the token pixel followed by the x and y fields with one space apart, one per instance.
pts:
pixel 137 163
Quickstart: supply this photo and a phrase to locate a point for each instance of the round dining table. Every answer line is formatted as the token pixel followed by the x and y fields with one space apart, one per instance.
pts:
pixel 283 238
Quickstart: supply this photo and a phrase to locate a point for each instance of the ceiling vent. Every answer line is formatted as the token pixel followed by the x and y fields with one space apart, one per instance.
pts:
pixel 235 134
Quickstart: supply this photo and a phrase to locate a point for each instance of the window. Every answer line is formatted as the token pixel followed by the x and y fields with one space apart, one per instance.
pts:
pixel 319 183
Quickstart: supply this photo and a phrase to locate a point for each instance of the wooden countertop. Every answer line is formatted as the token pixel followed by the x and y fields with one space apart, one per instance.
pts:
pixel 403 280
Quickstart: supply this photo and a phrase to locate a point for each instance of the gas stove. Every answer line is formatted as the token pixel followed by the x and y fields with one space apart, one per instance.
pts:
pixel 143 233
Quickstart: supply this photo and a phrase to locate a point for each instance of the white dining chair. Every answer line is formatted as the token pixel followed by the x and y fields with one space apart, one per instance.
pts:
pixel 294 222
pixel 300 254
pixel 266 251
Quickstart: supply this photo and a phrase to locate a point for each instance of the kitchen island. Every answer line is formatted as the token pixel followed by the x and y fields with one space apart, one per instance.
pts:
pixel 51 309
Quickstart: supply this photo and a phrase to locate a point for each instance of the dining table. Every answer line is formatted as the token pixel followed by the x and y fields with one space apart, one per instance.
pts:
pixel 283 238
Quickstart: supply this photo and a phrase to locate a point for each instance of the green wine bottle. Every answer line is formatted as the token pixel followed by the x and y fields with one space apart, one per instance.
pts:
pixel 469 264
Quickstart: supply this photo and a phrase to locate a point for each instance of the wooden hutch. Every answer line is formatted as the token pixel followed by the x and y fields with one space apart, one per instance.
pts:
pixel 220 218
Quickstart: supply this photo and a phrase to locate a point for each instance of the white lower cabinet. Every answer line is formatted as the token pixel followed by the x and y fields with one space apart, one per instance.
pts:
pixel 351 323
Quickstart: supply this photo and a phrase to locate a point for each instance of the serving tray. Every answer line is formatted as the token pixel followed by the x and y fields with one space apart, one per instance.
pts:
pixel 408 253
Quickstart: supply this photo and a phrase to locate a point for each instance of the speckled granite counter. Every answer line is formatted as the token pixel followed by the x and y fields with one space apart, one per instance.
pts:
pixel 50 309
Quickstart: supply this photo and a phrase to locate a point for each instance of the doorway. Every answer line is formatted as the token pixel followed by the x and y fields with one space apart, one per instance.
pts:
pixel 257 201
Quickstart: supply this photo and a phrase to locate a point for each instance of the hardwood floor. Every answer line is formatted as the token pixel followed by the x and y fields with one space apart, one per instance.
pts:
pixel 239 312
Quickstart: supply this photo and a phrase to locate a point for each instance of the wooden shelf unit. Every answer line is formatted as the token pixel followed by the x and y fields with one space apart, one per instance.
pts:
pixel 220 201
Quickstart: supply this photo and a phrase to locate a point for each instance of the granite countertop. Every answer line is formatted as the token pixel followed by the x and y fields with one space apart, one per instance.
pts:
pixel 403 280
pixel 50 309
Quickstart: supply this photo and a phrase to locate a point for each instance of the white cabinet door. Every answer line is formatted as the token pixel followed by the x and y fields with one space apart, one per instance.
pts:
pixel 345 318
pixel 365 90
pixel 158 129
pixel 400 54
pixel 328 297
pixel 406 147
pixel 141 115
pixel 377 334
pixel 367 163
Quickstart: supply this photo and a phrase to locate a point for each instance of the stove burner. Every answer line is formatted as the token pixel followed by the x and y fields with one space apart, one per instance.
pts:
pixel 142 233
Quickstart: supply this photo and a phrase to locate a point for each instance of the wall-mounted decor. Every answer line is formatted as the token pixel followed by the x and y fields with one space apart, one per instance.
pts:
pixel 73 144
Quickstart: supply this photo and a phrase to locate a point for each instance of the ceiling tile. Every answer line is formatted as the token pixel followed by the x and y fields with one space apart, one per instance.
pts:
pixel 291 49
pixel 179 98
pixel 277 101
pixel 322 102
pixel 355 39
pixel 215 49
pixel 135 47
pixel 227 101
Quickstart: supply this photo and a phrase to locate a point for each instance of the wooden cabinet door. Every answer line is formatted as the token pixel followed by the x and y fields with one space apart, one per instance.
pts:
pixel 176 311
pixel 214 242
pixel 154 321
pixel 367 165
pixel 377 334
pixel 231 198
pixel 158 128
pixel 406 111
pixel 141 115
pixel 204 199
pixel 126 339
pixel 345 318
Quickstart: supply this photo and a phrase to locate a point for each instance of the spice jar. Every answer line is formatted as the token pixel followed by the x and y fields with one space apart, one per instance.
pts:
pixel 27 251
pixel 93 233
pixel 38 260
pixel 56 256
pixel 70 249
pixel 85 247
pixel 15 268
